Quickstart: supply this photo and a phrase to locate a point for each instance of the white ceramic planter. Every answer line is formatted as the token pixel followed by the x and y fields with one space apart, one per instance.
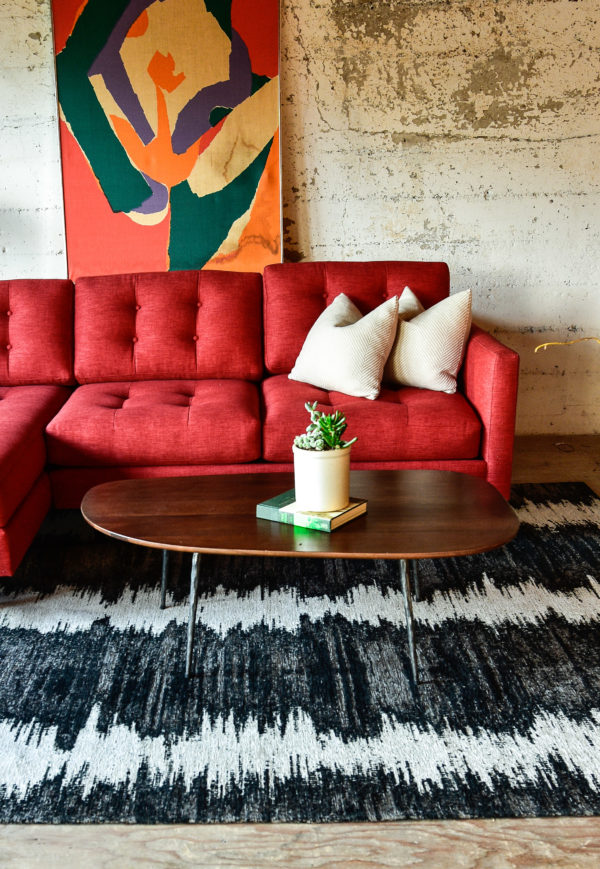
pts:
pixel 322 479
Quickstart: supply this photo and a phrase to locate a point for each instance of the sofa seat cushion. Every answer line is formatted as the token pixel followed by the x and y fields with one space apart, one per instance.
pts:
pixel 157 422
pixel 400 425
pixel 24 413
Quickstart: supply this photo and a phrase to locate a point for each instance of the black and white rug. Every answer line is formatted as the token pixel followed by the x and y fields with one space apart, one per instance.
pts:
pixel 302 707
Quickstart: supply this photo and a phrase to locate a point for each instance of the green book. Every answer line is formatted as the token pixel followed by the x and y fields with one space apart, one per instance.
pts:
pixel 282 508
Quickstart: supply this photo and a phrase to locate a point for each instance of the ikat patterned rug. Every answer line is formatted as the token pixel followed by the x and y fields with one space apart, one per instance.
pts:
pixel 302 708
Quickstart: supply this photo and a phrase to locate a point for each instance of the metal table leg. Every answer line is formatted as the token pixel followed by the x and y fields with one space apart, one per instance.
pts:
pixel 192 612
pixel 415 579
pixel 163 581
pixel 409 619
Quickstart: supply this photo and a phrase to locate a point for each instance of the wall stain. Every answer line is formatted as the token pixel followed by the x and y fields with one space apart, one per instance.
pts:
pixel 371 19
pixel 293 256
pixel 458 66
pixel 505 78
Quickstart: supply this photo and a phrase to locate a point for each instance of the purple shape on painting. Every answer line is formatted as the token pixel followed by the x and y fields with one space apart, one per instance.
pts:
pixel 109 65
pixel 159 199
pixel 194 118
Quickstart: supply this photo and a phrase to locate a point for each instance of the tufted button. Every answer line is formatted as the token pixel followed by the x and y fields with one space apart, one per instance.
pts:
pixel 134 339
pixel 199 304
pixel 9 313
pixel 137 307
pixel 195 338
pixel 9 346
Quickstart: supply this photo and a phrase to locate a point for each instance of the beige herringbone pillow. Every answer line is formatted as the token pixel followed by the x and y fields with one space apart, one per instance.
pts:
pixel 346 352
pixel 428 350
pixel 408 306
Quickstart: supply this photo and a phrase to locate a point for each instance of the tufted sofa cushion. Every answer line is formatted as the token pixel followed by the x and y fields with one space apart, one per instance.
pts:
pixel 36 332
pixel 161 326
pixel 295 294
pixel 402 425
pixel 154 422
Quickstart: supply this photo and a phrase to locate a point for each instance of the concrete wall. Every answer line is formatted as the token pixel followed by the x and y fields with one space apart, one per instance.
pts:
pixel 32 242
pixel 464 130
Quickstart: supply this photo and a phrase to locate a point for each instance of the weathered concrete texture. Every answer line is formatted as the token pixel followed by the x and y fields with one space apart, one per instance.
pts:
pixel 559 387
pixel 31 206
pixel 463 131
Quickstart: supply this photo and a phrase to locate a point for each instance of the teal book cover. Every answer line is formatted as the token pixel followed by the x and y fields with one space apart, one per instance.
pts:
pixel 282 508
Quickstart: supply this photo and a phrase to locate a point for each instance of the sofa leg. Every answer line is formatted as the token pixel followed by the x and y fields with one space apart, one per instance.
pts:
pixel 163 581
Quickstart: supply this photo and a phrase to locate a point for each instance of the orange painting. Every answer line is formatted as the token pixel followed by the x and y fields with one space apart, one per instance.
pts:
pixel 169 133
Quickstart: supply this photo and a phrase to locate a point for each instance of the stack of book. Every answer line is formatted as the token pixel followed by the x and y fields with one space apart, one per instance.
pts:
pixel 282 508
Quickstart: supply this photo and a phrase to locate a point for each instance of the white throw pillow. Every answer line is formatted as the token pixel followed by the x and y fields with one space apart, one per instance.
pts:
pixel 346 352
pixel 408 306
pixel 429 349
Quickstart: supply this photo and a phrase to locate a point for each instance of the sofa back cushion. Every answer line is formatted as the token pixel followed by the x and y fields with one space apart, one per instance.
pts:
pixel 295 294
pixel 168 325
pixel 36 332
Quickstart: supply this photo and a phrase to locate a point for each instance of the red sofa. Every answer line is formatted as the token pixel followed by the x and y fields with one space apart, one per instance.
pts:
pixel 36 367
pixel 186 373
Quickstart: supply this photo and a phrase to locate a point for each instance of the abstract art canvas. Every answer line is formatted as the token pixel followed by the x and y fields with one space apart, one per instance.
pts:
pixel 169 127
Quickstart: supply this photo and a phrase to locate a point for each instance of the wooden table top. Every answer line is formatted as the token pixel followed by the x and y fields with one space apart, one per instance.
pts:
pixel 411 514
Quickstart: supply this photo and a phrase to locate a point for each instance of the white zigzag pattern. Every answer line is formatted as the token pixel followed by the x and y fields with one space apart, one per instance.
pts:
pixel 222 611
pixel 29 756
pixel 552 516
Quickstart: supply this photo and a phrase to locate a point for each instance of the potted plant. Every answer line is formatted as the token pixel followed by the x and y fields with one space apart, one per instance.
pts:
pixel 322 463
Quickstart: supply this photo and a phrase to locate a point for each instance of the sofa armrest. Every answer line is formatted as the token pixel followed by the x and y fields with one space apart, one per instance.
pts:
pixel 490 382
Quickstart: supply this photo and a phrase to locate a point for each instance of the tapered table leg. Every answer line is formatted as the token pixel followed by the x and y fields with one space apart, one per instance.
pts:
pixel 163 580
pixel 415 579
pixel 409 619
pixel 192 612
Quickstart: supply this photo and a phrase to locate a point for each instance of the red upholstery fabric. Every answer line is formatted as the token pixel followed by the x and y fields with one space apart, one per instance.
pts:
pixel 295 294
pixel 157 422
pixel 162 326
pixel 69 485
pixel 401 425
pixel 36 332
pixel 490 376
pixel 24 413
pixel 16 537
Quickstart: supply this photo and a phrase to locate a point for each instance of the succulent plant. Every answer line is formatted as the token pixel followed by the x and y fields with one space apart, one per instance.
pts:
pixel 324 431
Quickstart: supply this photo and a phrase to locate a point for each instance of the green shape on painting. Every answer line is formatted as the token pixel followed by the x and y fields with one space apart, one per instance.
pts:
pixel 200 224
pixel 221 9
pixel 217 114
pixel 258 81
pixel 122 184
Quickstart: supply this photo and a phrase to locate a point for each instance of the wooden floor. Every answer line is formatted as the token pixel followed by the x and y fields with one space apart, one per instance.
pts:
pixel 488 844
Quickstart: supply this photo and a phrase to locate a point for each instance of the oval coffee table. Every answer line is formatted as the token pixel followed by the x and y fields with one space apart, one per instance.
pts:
pixel 411 514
